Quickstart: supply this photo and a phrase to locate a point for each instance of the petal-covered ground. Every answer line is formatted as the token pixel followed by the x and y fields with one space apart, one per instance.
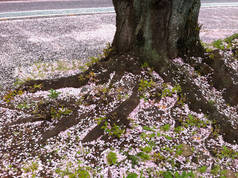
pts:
pixel 119 118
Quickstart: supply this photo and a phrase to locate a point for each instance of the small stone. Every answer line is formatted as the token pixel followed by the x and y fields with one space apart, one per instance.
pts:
pixel 187 150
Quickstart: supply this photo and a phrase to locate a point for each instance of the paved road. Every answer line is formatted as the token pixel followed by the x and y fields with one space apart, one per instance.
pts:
pixel 30 5
pixel 12 6
pixel 17 9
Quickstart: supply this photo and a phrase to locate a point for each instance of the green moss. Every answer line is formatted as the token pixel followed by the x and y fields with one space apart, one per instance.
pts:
pixel 143 156
pixel 144 84
pixel 218 44
pixel 11 94
pixel 53 94
pixel 184 174
pixel 194 122
pixel 147 149
pixel 82 172
pixel 165 127
pixel 212 56
pixel 231 38
pixel 226 152
pixel 202 169
pixel 56 114
pixel 132 175
pixel 23 105
pixel 169 92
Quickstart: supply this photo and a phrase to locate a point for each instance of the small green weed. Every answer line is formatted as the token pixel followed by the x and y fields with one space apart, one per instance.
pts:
pixel 37 86
pixel 202 169
pixel 184 174
pixel 216 170
pixel 32 168
pixel 100 120
pixel 145 65
pixel 131 175
pixel 143 156
pixel 18 82
pixel 157 157
pixel 226 152
pixel 144 84
pixel 231 38
pixel 218 44
pixel 107 50
pixel 147 149
pixel 211 102
pixel 111 158
pixel 179 149
pixel 23 106
pixel 53 94
pixel 167 137
pixel 165 127
pixel 169 92
pixel 57 113
pixel 148 128
pixel 212 56
pixel 134 159
pixel 81 172
pixel 178 129
pixel 209 50
pixel 93 60
pixel 115 130
pixel 11 95
pixel 193 121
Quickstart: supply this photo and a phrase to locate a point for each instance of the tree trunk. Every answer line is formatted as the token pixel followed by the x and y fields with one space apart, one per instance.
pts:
pixel 157 30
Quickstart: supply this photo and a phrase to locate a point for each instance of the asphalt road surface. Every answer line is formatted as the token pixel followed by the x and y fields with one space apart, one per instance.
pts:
pixel 12 6
pixel 30 5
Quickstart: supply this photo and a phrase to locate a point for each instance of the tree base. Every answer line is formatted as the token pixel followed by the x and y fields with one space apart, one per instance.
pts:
pixel 113 91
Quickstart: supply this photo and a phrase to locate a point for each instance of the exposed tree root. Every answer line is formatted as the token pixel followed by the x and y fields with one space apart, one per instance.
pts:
pixel 10 107
pixel 24 120
pixel 221 77
pixel 100 73
pixel 119 116
pixel 63 124
pixel 197 102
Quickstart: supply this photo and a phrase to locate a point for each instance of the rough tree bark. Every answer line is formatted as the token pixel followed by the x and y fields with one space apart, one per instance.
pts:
pixel 157 30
